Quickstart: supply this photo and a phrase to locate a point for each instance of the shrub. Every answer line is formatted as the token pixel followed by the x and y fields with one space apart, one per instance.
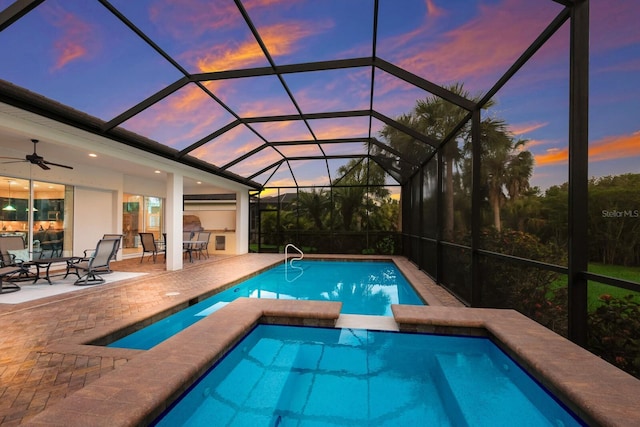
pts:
pixel 614 332
pixel 529 290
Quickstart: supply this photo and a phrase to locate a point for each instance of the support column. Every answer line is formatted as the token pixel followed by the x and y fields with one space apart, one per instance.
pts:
pixel 117 227
pixel 476 214
pixel 242 222
pixel 173 223
pixel 578 170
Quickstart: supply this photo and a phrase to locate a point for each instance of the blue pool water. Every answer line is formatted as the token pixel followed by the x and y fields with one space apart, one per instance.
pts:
pixel 299 376
pixel 363 288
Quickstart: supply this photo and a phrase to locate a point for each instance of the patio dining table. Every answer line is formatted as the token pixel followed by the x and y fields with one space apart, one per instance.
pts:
pixel 45 263
pixel 192 245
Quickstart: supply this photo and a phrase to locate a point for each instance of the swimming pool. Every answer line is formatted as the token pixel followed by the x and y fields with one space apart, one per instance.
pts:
pixel 288 375
pixel 363 287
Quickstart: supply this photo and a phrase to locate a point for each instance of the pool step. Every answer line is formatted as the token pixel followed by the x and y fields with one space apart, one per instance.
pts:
pixel 362 321
pixel 482 394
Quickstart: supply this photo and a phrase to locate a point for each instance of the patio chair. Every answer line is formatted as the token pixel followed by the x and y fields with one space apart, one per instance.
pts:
pixel 14 254
pixel 88 253
pixel 161 244
pixel 188 246
pixel 114 236
pixel 202 246
pixel 105 250
pixel 148 241
pixel 51 244
pixel 9 286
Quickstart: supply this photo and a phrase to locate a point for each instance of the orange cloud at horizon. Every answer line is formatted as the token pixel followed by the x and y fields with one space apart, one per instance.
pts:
pixel 608 148
pixel 553 156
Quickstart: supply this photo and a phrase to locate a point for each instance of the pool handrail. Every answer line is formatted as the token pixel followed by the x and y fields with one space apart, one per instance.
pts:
pixel 286 254
pixel 288 263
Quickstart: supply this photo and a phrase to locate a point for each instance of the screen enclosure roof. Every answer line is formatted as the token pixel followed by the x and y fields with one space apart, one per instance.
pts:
pixel 265 92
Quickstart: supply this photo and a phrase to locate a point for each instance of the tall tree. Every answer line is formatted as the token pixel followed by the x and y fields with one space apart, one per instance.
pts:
pixel 314 204
pixel 435 118
pixel 356 179
pixel 505 166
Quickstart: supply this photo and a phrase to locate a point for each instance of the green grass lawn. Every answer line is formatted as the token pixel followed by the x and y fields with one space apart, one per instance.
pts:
pixel 597 289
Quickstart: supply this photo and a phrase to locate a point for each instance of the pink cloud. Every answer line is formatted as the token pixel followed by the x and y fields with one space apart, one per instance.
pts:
pixel 524 128
pixel 614 24
pixel 77 38
pixel 476 50
pixel 433 10
pixel 183 18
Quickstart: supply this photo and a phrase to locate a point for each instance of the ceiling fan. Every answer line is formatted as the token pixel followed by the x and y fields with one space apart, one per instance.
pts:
pixel 35 159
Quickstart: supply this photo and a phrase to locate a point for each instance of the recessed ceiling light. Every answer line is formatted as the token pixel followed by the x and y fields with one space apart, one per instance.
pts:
pixel 156 171
pixel 93 155
pixel 199 182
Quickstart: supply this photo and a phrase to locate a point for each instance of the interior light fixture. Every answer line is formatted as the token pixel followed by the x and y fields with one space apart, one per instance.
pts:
pixel 93 155
pixel 9 206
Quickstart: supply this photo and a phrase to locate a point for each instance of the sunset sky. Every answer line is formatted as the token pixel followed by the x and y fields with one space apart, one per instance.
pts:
pixel 78 53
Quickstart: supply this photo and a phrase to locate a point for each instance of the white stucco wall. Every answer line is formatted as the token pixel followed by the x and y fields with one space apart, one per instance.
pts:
pixel 94 215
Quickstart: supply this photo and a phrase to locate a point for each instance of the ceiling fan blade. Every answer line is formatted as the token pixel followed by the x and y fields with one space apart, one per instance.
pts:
pixel 43 166
pixel 12 158
pixel 56 164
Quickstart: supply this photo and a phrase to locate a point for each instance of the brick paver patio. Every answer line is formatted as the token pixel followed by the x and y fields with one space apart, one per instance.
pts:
pixel 44 356
pixel 33 377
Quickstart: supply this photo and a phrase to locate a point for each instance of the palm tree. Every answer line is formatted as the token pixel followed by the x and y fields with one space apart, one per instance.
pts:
pixel 519 171
pixel 358 178
pixel 505 166
pixel 314 204
pixel 496 147
pixel 435 118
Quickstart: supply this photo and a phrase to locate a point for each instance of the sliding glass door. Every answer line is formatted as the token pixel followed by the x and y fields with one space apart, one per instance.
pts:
pixel 40 212
pixel 141 214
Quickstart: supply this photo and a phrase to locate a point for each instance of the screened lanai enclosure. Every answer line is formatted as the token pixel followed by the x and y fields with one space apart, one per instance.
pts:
pixel 489 141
